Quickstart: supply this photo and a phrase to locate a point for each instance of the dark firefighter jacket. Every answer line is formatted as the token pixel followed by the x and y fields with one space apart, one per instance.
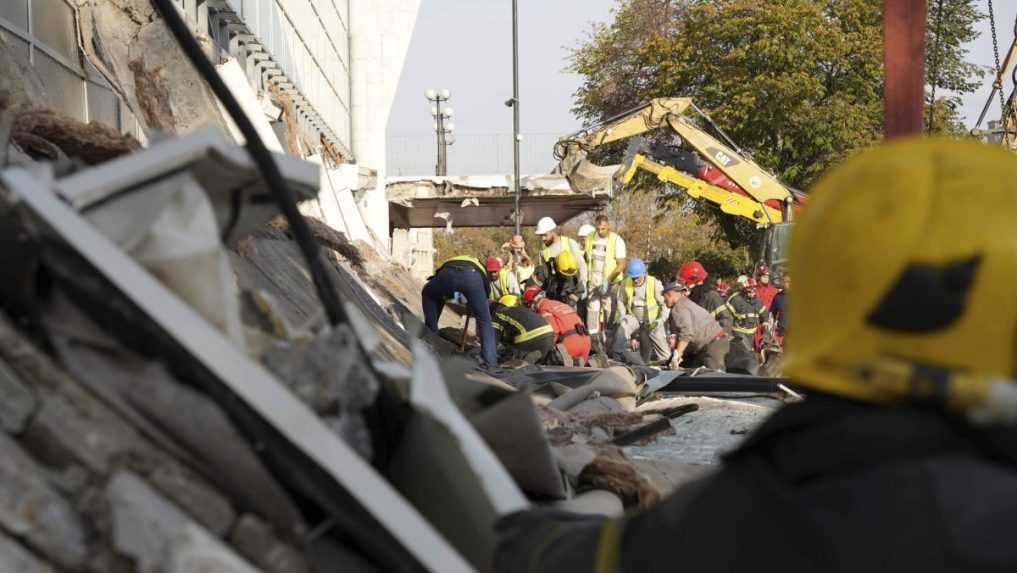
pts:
pixel 823 485
pixel 517 325
pixel 705 296
pixel 748 314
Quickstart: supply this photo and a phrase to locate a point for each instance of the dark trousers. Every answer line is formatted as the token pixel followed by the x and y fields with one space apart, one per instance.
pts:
pixel 532 351
pixel 742 358
pixel 712 355
pixel 471 285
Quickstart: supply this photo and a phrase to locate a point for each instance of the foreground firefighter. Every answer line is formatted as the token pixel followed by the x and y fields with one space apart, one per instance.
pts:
pixel 524 334
pixel 901 457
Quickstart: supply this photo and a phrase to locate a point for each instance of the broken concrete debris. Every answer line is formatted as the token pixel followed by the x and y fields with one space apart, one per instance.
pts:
pixel 172 400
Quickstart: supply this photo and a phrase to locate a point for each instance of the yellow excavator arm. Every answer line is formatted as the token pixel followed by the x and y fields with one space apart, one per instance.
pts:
pixel 670 112
pixel 729 202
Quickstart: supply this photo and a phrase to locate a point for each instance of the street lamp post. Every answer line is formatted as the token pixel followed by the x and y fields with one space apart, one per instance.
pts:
pixel 515 109
pixel 443 127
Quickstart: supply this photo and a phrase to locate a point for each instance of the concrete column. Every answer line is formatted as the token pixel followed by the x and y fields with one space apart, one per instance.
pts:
pixel 380 37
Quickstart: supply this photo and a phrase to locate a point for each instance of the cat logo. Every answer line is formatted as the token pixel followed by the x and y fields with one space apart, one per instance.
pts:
pixel 722 157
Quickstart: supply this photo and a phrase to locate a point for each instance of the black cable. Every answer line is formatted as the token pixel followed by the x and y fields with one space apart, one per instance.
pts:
pixel 262 158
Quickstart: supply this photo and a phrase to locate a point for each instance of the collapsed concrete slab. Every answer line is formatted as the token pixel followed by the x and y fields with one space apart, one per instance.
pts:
pixel 486 201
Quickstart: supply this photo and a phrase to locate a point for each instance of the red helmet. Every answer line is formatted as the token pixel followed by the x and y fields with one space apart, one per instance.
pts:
pixel 493 264
pixel 721 287
pixel 762 270
pixel 692 273
pixel 530 293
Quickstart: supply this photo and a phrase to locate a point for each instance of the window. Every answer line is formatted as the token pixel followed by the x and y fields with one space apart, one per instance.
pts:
pixel 15 12
pixel 43 34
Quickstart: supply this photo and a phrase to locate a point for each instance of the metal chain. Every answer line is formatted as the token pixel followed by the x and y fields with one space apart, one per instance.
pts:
pixel 997 83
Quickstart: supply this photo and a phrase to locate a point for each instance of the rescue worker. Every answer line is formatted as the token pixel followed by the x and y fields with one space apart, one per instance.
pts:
pixel 605 256
pixel 778 309
pixel 703 293
pixel 749 316
pixel 523 333
pixel 502 281
pixel 519 261
pixel 641 300
pixel 901 457
pixel 563 284
pixel 570 333
pixel 765 290
pixel 466 276
pixel 697 339
pixel 722 288
pixel 552 245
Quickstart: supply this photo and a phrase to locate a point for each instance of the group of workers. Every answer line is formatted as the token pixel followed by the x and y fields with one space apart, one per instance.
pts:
pixel 587 296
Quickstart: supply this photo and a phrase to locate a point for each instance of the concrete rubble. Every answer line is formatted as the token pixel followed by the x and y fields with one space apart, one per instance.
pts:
pixel 172 398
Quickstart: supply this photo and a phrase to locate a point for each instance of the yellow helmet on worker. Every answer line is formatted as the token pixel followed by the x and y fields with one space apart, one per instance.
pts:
pixel 509 300
pixel 904 262
pixel 567 264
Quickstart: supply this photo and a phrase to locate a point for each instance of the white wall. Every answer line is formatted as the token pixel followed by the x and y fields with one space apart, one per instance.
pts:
pixel 380 37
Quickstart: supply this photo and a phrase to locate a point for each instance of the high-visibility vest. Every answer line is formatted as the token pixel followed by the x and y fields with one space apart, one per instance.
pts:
pixel 652 307
pixel 566 243
pixel 503 287
pixel 610 262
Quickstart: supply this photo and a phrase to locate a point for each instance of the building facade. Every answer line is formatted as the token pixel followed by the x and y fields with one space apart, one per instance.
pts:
pixel 321 74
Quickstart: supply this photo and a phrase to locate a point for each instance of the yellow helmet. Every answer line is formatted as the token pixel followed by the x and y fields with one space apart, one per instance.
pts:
pixel 509 300
pixel 567 263
pixel 904 261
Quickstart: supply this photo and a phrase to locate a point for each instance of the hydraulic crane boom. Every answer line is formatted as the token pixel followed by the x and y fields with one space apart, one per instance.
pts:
pixel 770 200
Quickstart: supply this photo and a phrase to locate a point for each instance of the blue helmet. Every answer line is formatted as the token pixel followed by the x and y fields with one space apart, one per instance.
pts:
pixel 635 268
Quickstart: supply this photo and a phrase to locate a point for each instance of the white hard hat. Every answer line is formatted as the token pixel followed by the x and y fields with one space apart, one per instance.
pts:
pixel 546 225
pixel 586 229
pixel 742 281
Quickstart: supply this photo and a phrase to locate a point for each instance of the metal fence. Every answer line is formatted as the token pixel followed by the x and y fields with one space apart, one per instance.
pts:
pixel 472 154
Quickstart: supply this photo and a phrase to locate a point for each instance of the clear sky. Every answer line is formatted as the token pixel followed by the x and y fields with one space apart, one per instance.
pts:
pixel 466 46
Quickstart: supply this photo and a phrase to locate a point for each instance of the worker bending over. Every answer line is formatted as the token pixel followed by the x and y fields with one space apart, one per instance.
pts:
pixel 697 339
pixel 524 334
pixel 502 280
pixel 901 456
pixel 749 317
pixel 642 318
pixel 464 275
pixel 570 334
pixel 553 245
pixel 605 259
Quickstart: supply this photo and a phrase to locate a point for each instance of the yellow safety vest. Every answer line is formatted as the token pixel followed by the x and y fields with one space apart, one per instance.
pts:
pixel 610 262
pixel 652 307
pixel 502 284
pixel 545 251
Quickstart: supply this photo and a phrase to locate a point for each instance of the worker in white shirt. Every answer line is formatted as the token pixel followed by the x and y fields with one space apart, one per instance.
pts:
pixel 605 258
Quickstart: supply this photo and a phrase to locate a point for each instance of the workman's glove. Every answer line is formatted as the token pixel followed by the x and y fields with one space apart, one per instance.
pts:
pixel 604 289
pixel 676 361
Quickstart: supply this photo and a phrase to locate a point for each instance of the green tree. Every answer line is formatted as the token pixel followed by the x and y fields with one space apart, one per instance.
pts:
pixel 797 83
